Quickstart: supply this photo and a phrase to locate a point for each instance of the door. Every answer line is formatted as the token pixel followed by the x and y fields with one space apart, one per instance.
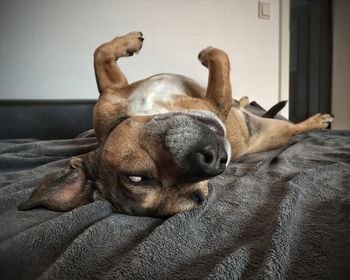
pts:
pixel 310 58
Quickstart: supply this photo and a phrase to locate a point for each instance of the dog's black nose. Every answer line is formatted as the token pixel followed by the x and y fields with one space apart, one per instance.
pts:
pixel 211 160
pixel 206 162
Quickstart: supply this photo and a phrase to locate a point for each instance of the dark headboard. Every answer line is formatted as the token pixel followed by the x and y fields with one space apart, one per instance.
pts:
pixel 45 119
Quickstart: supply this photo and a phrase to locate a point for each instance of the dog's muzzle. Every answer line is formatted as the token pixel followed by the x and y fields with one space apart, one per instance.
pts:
pixel 196 140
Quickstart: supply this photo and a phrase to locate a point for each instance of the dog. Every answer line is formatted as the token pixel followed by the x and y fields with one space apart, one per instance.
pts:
pixel 161 138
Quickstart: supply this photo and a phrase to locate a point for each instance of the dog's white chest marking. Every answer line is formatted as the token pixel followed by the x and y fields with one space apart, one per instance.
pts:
pixel 147 98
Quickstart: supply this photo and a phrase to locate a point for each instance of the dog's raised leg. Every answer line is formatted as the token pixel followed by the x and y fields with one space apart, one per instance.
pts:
pixel 111 82
pixel 108 73
pixel 219 86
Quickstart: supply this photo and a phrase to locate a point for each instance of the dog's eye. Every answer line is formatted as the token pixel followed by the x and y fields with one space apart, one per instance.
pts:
pixel 138 179
pixel 135 179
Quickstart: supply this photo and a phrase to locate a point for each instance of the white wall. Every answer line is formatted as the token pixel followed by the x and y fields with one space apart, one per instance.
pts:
pixel 46 46
pixel 341 64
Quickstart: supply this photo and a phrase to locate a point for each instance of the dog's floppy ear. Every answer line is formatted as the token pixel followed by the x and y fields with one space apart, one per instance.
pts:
pixel 64 191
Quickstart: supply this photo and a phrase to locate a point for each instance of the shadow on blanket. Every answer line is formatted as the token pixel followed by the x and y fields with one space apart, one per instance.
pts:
pixel 279 214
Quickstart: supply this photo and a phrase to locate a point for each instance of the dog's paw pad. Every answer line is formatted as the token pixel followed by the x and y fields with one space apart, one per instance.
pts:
pixel 130 52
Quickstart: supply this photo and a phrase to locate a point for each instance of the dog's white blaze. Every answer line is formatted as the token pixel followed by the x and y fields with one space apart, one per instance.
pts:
pixel 143 100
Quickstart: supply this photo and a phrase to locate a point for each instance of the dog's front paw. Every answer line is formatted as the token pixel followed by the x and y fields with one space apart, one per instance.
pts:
pixel 135 42
pixel 321 120
pixel 210 54
pixel 203 56
pixel 129 44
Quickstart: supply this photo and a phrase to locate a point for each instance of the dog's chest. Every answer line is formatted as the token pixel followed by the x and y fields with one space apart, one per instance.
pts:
pixel 155 95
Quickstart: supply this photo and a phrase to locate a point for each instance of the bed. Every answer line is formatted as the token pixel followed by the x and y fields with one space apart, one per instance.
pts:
pixel 281 214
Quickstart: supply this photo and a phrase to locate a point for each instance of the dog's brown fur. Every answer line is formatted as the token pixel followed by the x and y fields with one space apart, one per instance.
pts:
pixel 133 168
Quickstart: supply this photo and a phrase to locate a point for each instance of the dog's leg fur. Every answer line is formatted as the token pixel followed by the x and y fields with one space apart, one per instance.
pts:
pixel 108 74
pixel 111 82
pixel 272 133
pixel 219 86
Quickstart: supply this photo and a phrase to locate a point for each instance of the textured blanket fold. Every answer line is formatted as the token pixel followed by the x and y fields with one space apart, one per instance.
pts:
pixel 279 214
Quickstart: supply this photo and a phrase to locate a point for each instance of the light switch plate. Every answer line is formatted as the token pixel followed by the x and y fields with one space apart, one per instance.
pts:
pixel 264 10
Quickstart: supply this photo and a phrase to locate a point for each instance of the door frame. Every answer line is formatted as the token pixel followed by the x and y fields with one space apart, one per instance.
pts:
pixel 284 52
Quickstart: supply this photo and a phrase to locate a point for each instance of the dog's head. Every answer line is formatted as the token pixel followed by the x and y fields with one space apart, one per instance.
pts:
pixel 149 165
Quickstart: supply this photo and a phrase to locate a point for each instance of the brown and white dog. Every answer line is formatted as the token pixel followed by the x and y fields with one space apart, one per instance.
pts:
pixel 162 138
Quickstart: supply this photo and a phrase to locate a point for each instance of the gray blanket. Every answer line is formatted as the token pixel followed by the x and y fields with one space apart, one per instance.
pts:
pixel 273 215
